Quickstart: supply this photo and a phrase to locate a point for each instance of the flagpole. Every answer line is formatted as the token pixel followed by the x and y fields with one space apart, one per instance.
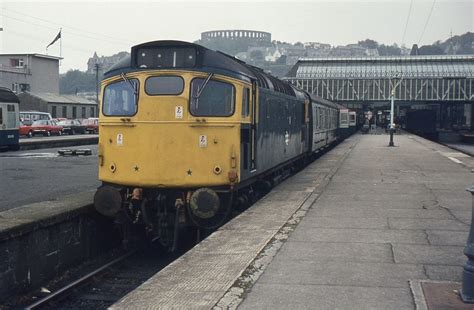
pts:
pixel 1 41
pixel 60 45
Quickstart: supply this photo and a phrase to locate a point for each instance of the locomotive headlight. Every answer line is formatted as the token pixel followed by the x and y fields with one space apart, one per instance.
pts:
pixel 204 203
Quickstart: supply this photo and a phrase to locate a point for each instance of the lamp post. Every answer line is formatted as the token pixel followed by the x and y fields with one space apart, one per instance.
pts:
pixel 96 69
pixel 391 117
pixel 392 104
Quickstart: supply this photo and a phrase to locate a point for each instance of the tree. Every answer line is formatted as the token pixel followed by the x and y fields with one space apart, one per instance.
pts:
pixel 387 50
pixel 75 81
pixel 368 43
pixel 430 50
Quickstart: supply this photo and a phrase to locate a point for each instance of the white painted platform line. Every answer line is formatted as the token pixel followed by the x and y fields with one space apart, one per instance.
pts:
pixel 457 161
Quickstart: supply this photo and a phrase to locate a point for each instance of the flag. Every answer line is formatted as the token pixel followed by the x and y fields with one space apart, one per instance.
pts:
pixel 55 39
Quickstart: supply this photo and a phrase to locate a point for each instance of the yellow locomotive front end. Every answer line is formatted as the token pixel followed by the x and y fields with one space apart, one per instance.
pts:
pixel 170 129
pixel 170 138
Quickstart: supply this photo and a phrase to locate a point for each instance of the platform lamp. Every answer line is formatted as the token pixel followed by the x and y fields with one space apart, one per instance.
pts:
pixel 395 81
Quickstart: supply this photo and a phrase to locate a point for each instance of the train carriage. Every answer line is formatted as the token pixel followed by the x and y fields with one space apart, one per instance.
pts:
pixel 325 123
pixel 9 120
pixel 188 133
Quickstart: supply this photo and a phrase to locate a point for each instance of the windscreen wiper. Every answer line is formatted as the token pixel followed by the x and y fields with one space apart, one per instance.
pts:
pixel 201 89
pixel 135 92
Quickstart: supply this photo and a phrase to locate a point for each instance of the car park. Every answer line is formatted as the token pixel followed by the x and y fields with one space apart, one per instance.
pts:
pixel 72 126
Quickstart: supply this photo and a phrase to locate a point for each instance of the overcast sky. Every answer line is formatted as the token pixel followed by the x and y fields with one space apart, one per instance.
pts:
pixel 112 26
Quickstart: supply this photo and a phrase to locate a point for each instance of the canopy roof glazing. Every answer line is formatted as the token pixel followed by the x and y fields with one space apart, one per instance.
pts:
pixel 452 66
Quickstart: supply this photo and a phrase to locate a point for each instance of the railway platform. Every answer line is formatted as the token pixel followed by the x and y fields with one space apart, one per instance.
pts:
pixel 365 226
pixel 61 141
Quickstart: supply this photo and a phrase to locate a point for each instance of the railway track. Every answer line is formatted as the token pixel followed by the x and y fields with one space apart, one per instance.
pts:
pixel 107 284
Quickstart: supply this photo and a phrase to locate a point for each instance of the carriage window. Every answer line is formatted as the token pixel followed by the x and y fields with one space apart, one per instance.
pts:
pixel 164 85
pixel 215 99
pixel 119 99
pixel 320 112
pixel 246 102
pixel 1 115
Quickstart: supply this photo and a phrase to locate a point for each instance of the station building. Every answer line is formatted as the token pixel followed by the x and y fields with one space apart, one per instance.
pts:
pixel 442 84
pixel 67 106
pixel 29 72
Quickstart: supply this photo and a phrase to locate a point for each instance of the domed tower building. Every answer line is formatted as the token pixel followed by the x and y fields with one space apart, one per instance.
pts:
pixel 235 41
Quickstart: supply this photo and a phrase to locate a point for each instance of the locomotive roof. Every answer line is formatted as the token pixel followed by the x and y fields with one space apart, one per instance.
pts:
pixel 6 95
pixel 208 61
pixel 325 102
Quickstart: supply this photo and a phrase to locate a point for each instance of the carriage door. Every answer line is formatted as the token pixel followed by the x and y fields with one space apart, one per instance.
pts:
pixel 248 131
pixel 253 129
pixel 3 121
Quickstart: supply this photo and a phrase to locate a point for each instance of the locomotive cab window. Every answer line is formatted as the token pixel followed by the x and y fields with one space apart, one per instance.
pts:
pixel 120 98
pixel 213 98
pixel 164 85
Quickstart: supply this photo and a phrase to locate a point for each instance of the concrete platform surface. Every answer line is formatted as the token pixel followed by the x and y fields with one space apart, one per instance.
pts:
pixel 28 177
pixel 351 231
pixel 388 216
pixel 202 276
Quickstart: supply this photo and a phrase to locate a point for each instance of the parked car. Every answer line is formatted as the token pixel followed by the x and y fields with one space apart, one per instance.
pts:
pixel 91 124
pixel 24 128
pixel 72 126
pixel 44 127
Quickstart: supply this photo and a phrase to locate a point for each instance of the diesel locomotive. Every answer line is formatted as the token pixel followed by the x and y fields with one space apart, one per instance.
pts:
pixel 187 134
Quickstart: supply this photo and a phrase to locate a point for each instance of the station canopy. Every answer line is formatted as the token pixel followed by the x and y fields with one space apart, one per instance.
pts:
pixel 449 66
